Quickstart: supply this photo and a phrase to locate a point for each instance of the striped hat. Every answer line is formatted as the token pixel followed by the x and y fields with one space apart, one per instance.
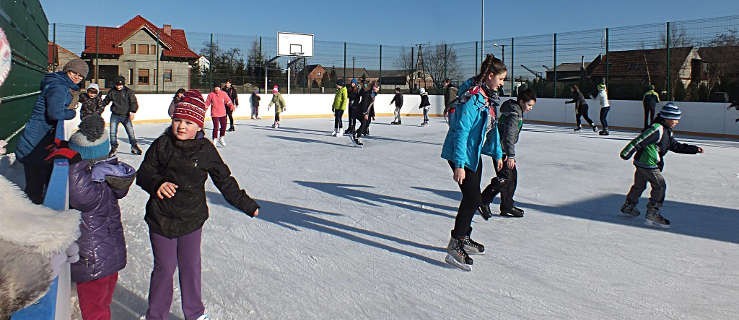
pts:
pixel 670 111
pixel 191 107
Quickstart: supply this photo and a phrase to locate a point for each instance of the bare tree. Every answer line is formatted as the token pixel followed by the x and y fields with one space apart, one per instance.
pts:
pixel 678 38
pixel 440 61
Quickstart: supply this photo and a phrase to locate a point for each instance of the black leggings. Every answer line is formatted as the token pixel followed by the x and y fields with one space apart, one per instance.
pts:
pixel 230 115
pixel 277 116
pixel 604 116
pixel 470 188
pixel 648 115
pixel 583 112
pixel 507 190
pixel 337 119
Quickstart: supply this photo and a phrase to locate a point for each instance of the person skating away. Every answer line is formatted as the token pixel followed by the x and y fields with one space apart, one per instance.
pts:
pixel 398 101
pixel 55 103
pixel 338 106
pixel 472 133
pixel 605 107
pixel 425 105
pixel 649 149
pixel 231 92
pixel 279 102
pixel 174 172
pixel 96 183
pixel 175 99
pixel 450 95
pixel 90 101
pixel 218 102
pixel 122 111
pixel 649 102
pixel 363 113
pixel 371 112
pixel 355 97
pixel 581 108
pixel 254 100
pixel 509 127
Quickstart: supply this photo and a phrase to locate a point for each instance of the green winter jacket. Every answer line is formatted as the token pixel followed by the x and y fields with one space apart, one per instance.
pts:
pixel 651 146
pixel 279 102
pixel 340 99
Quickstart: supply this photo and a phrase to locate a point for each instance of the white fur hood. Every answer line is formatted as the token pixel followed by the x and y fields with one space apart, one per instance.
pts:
pixel 24 223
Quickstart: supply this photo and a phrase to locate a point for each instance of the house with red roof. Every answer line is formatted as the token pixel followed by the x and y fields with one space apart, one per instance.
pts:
pixel 150 58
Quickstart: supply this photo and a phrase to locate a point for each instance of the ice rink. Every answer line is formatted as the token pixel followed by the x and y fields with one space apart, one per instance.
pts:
pixel 360 233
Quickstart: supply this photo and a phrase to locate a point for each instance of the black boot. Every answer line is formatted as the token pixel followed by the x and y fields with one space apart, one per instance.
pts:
pixel 136 150
pixel 113 151
pixel 485 211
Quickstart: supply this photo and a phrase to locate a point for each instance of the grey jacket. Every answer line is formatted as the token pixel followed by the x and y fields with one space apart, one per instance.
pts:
pixel 510 123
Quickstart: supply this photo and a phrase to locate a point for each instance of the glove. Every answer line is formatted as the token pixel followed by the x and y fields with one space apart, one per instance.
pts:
pixel 60 150
pixel 69 255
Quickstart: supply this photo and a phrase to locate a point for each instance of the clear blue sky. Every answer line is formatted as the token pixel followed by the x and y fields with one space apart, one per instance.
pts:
pixel 388 22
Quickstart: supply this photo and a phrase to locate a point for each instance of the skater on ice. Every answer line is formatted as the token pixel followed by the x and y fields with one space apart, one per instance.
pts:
pixel 581 108
pixel 425 105
pixel 279 102
pixel 398 101
pixel 472 133
pixel 605 107
pixel 218 102
pixel 338 107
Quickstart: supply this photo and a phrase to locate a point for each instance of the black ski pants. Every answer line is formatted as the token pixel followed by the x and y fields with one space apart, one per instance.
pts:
pixel 582 111
pixel 506 190
pixel 470 188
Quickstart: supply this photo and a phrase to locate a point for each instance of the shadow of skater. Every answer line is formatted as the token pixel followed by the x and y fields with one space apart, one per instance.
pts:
pixel 128 305
pixel 297 218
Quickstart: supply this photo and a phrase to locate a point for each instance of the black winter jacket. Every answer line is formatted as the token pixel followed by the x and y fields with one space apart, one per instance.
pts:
pixel 186 163
pixel 398 100
pixel 578 99
pixel 124 101
pixel 231 92
pixel 424 101
pixel 354 95
pixel 90 105
pixel 510 123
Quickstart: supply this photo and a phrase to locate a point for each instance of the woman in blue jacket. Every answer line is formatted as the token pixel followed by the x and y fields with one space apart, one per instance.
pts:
pixel 472 132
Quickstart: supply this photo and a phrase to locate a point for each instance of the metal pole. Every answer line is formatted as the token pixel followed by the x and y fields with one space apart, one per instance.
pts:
pixel 502 52
pixel 55 62
pixel 344 61
pixel 476 57
pixel 513 82
pixel 210 66
pixel 555 65
pixel 445 62
pixel 97 60
pixel 156 72
pixel 669 82
pixel 606 59
pixel 379 79
pixel 354 59
pixel 266 71
pixel 482 30
pixel 413 71
pixel 288 78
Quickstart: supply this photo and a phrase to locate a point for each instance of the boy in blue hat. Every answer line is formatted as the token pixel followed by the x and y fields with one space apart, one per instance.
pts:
pixel 650 147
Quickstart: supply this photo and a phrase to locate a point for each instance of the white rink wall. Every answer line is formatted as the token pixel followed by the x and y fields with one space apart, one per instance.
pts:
pixel 698 117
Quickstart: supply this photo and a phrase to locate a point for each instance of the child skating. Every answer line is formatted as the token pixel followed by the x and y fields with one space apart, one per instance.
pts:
pixel 279 102
pixel 425 105
pixel 398 101
pixel 338 107
pixel 650 147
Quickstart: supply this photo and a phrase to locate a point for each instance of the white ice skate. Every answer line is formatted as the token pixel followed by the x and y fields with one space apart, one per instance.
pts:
pixel 222 141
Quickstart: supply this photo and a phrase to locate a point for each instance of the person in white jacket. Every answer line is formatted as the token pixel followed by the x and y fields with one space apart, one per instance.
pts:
pixel 605 106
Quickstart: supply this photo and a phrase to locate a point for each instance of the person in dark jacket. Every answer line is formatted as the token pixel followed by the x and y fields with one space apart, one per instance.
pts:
pixel 122 111
pixel 55 103
pixel 90 101
pixel 95 186
pixel 398 100
pixel 231 92
pixel 649 102
pixel 355 97
pixel 363 113
pixel 175 100
pixel 510 123
pixel 254 99
pixel 650 148
pixel 174 172
pixel 450 96
pixel 581 108
pixel 425 104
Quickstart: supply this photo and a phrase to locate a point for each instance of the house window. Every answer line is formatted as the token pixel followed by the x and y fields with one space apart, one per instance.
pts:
pixel 167 76
pixel 319 74
pixel 144 76
pixel 153 49
pixel 130 76
pixel 143 49
pixel 133 49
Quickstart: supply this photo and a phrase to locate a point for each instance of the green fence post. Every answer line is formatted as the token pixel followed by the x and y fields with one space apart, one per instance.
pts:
pixel 667 45
pixel 475 56
pixel 555 65
pixel 344 61
pixel 606 59
pixel 513 67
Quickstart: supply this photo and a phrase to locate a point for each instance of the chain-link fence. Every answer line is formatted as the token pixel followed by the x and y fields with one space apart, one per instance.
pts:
pixel 685 60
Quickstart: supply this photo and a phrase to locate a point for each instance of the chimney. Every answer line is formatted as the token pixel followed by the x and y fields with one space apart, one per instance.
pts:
pixel 168 29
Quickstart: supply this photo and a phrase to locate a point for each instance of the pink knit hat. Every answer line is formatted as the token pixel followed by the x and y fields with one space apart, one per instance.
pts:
pixel 191 107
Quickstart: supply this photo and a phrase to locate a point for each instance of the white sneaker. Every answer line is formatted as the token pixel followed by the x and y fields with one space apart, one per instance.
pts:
pixel 333 133
pixel 203 317
pixel 222 141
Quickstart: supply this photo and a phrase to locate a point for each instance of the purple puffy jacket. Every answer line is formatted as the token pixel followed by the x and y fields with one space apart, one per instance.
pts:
pixel 102 245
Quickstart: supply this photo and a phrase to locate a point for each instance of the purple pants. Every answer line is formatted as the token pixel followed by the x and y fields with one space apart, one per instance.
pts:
pixel 183 253
pixel 219 122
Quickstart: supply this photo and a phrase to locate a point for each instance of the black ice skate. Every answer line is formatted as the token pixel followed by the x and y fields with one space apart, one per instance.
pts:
pixel 113 151
pixel 485 211
pixel 136 150
pixel 595 128
pixel 511 212
pixel 456 255
pixel 630 210
pixel 654 219
pixel 472 247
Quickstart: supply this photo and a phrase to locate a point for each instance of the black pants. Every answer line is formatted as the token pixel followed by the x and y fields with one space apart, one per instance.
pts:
pixel 366 128
pixel 470 188
pixel 338 124
pixel 37 170
pixel 582 111
pixel 604 116
pixel 230 115
pixel 352 118
pixel 648 115
pixel 277 116
pixel 507 190
pixel 363 125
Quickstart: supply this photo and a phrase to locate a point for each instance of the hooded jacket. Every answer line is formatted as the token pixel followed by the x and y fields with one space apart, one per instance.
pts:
pixel 124 101
pixel 424 101
pixel 102 244
pixel 186 163
pixel 341 99
pixel 90 105
pixel 51 106
pixel 510 123
pixel 232 94
pixel 472 129
pixel 31 235
pixel 279 102
pixel 652 145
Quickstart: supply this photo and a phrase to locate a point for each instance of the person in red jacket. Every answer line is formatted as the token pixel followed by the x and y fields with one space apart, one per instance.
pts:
pixel 218 101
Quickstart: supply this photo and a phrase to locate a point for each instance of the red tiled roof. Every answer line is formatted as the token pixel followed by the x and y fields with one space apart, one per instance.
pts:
pixel 111 39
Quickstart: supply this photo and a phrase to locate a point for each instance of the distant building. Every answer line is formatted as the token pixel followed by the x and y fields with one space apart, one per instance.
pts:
pixel 135 50
pixel 58 56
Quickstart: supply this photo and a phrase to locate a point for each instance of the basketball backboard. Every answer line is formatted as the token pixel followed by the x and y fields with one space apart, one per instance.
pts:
pixel 294 44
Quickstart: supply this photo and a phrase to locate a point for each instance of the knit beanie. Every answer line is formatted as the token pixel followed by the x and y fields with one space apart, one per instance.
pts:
pixel 670 111
pixel 191 107
pixel 77 65
pixel 91 140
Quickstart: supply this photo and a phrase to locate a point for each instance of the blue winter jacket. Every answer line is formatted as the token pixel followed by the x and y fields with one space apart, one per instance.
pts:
pixel 50 107
pixel 467 138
